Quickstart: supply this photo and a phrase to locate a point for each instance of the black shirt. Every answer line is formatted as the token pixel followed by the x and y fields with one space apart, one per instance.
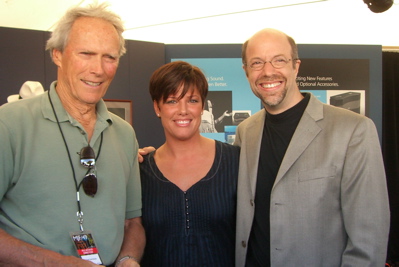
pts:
pixel 277 134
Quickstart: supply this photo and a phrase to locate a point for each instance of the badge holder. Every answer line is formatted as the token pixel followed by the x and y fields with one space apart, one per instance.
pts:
pixel 86 246
pixel 84 240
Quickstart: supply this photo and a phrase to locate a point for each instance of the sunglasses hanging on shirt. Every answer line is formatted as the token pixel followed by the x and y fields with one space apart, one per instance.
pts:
pixel 88 160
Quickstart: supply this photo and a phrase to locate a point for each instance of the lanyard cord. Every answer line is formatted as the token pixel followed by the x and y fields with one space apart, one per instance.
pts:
pixel 80 212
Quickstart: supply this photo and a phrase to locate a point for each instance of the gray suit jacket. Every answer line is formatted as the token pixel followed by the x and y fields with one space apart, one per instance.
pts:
pixel 329 203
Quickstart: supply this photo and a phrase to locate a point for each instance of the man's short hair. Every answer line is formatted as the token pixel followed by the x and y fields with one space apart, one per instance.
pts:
pixel 60 35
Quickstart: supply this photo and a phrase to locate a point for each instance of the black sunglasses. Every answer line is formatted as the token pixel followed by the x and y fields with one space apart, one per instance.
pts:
pixel 89 182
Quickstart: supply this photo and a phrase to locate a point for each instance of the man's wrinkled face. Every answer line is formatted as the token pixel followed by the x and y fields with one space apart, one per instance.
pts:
pixel 89 61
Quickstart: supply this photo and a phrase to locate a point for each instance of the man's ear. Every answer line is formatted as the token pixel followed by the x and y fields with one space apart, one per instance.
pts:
pixel 245 69
pixel 57 57
pixel 297 64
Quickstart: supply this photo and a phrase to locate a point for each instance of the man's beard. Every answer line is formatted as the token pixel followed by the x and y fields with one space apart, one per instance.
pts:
pixel 273 99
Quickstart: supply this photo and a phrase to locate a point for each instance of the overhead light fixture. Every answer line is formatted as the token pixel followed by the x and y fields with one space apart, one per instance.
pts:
pixel 378 6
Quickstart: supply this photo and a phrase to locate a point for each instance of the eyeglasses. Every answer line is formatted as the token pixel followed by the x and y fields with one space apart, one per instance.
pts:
pixel 277 63
pixel 89 182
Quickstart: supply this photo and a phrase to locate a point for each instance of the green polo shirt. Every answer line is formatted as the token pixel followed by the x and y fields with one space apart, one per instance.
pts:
pixel 38 200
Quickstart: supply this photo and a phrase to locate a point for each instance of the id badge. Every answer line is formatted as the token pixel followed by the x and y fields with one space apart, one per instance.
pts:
pixel 86 247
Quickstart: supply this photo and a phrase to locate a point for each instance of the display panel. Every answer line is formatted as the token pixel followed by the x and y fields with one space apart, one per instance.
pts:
pixel 347 76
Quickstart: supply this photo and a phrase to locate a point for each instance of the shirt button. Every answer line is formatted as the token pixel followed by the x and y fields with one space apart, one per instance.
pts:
pixel 252 202
pixel 243 244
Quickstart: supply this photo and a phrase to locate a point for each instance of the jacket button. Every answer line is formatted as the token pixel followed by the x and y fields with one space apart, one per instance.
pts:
pixel 244 244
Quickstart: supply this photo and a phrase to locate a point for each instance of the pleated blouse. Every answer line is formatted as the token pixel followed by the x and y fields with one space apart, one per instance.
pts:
pixel 194 227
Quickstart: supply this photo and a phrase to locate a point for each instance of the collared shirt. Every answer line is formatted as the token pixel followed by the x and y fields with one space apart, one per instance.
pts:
pixel 37 190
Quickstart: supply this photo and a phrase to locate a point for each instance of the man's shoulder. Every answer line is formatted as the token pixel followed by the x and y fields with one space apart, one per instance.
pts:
pixel 339 113
pixel 20 110
pixel 255 118
pixel 318 110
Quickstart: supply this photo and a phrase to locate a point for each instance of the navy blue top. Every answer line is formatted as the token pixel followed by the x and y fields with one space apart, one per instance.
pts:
pixel 195 227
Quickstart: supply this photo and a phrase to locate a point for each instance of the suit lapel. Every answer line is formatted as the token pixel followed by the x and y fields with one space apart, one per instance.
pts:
pixel 306 131
pixel 253 140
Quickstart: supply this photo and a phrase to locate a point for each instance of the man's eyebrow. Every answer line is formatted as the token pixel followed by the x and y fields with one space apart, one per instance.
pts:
pixel 116 56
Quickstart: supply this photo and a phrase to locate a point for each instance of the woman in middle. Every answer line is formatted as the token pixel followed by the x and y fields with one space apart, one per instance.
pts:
pixel 189 183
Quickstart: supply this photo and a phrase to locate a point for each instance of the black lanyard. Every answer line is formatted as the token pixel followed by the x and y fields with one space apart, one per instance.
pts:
pixel 77 186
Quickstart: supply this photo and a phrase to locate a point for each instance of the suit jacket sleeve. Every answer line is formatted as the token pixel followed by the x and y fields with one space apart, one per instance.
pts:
pixel 364 199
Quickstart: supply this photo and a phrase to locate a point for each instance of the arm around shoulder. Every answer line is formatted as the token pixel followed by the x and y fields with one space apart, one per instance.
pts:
pixel 144 151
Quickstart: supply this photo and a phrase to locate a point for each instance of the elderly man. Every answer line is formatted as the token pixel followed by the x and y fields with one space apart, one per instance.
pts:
pixel 70 190
pixel 311 186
